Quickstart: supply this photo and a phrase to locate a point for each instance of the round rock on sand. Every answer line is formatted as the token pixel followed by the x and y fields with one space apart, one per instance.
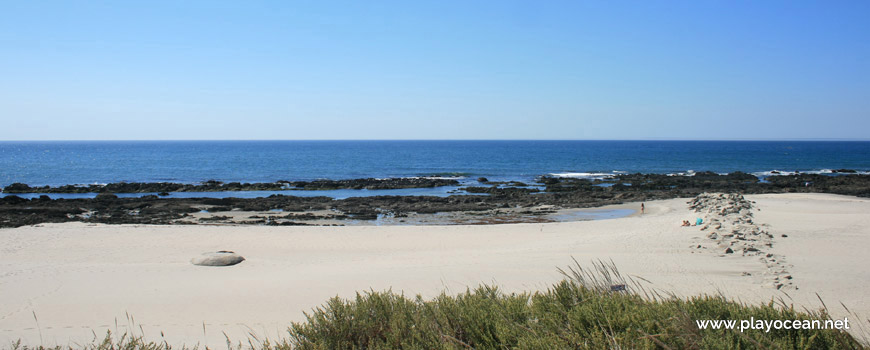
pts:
pixel 221 258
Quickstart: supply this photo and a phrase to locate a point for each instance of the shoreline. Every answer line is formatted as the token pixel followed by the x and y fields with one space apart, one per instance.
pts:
pixel 219 186
pixel 469 185
pixel 79 277
pixel 501 216
pixel 487 202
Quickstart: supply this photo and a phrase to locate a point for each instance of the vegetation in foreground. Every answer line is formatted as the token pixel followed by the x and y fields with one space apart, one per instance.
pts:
pixel 580 312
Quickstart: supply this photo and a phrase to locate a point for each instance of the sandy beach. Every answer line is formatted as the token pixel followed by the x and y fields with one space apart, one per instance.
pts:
pixel 64 283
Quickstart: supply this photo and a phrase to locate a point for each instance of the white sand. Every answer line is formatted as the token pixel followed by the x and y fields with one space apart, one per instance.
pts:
pixel 82 279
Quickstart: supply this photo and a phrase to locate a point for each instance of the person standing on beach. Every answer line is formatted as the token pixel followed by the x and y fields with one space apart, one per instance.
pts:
pixel 641 208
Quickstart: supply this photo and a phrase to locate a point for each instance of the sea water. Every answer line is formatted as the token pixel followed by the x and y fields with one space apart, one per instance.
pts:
pixel 88 162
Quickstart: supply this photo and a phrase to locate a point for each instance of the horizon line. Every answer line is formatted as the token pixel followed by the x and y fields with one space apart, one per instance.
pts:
pixel 319 140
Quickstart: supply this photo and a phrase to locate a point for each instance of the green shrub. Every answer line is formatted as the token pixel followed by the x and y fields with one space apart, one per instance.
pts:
pixel 579 312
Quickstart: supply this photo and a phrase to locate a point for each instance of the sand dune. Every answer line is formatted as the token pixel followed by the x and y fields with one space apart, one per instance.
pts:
pixel 62 283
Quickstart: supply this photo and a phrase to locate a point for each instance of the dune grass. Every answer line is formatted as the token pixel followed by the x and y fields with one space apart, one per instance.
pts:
pixel 580 312
pixel 594 308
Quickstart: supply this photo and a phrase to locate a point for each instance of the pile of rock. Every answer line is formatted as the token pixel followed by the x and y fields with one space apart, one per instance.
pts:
pixel 730 229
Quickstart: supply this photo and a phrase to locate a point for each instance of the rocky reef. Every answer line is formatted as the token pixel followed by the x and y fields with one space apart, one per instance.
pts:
pixel 478 200
pixel 690 186
pixel 217 186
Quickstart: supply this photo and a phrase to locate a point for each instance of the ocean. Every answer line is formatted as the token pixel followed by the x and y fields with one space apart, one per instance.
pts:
pixel 87 162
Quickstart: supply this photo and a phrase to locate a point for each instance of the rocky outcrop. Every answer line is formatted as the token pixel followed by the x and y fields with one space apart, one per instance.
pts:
pixel 373 184
pixel 164 188
pixel 851 184
pixel 559 192
pixel 105 197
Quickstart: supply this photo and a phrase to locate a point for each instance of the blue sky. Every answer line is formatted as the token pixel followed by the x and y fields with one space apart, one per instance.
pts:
pixel 118 70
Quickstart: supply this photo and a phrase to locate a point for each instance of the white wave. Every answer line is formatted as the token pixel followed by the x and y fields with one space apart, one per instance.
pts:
pixel 426 177
pixel 687 173
pixel 820 172
pixel 773 173
pixel 86 185
pixel 585 175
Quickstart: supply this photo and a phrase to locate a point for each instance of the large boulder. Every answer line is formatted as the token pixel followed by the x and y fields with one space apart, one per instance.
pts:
pixel 220 258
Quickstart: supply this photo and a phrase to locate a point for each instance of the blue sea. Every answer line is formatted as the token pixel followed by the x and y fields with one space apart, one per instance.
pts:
pixel 87 162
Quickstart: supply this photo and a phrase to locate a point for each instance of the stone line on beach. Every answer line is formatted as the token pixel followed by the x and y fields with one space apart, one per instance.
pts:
pixel 728 222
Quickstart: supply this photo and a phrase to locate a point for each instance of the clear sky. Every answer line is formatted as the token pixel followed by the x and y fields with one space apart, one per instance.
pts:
pixel 118 70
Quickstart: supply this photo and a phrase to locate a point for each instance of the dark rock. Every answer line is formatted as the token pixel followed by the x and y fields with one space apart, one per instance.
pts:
pixel 287 223
pixel 13 200
pixel 482 179
pixel 374 184
pixel 17 188
pixel 163 194
pixel 215 218
pixel 105 196
pixel 476 189
pixel 214 186
pixel 847 184
pixel 728 250
pixel 561 192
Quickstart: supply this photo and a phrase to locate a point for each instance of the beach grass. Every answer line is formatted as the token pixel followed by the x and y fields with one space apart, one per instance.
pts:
pixel 581 312
pixel 595 308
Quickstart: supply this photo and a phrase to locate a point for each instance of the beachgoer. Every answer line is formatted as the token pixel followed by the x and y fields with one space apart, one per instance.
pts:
pixel 641 208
